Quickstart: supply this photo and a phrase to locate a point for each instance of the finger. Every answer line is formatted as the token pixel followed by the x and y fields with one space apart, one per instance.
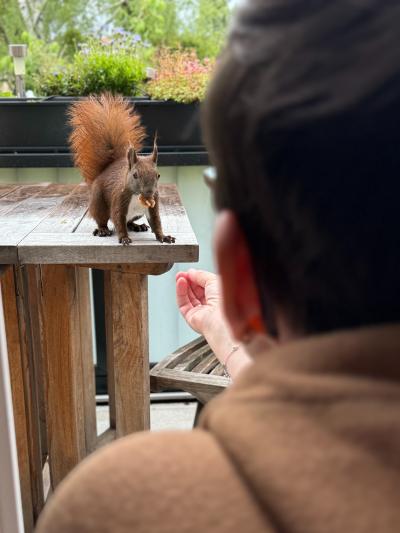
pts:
pixel 201 277
pixel 181 274
pixel 182 297
pixel 198 291
pixel 182 288
pixel 192 297
pixel 198 280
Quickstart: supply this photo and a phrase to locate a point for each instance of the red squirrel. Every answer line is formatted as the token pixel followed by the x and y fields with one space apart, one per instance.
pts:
pixel 106 136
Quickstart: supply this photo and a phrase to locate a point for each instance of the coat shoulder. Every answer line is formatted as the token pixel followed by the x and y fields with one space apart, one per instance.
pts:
pixel 166 482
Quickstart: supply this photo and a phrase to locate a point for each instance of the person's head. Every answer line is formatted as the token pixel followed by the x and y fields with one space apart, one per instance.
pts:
pixel 302 122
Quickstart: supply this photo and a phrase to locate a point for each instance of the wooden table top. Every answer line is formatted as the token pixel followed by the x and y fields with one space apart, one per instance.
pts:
pixel 48 223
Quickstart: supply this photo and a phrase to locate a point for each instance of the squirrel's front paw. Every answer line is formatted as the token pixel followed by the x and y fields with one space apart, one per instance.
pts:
pixel 125 240
pixel 166 238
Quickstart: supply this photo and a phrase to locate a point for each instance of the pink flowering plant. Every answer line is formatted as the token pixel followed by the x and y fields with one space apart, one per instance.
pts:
pixel 180 76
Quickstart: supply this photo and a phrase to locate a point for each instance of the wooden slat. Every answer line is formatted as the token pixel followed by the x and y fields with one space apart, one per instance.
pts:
pixel 173 215
pixel 29 201
pixel 7 188
pixel 188 369
pixel 68 214
pixel 32 290
pixel 175 377
pixel 18 195
pixel 81 247
pixel 21 413
pixel 22 210
pixel 155 269
pixel 26 297
pixel 86 353
pixel 60 322
pixel 206 365
pixel 106 437
pixel 109 317
pixel 23 304
pixel 127 351
pixel 180 355
pixel 203 387
pixel 11 511
pixel 193 359
pixel 218 371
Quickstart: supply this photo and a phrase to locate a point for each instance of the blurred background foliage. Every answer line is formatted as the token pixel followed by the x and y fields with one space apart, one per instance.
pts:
pixel 80 46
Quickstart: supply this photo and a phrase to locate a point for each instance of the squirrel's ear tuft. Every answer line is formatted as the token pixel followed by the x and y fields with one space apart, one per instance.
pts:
pixel 154 155
pixel 132 157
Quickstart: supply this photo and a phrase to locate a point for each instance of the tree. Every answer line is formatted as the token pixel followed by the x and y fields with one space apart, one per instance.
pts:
pixel 200 24
pixel 154 20
pixel 47 20
pixel 49 27
pixel 212 24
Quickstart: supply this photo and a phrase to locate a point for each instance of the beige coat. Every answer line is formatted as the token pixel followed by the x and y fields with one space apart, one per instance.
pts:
pixel 307 440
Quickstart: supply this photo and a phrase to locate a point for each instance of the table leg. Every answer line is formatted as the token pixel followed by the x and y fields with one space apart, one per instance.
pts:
pixel 65 351
pixel 31 279
pixel 89 388
pixel 127 351
pixel 16 292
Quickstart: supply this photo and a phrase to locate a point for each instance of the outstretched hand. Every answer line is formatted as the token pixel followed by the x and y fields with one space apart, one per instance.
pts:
pixel 198 298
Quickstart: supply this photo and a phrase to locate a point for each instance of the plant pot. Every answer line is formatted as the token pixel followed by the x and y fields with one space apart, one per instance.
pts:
pixel 34 132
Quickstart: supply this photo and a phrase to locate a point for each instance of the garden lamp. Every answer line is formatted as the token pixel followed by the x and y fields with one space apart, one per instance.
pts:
pixel 18 53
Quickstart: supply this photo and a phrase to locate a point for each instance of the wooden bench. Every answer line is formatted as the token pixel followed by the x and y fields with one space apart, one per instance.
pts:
pixel 192 368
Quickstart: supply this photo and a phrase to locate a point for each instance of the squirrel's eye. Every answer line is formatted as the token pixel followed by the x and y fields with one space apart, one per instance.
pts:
pixel 135 175
pixel 158 176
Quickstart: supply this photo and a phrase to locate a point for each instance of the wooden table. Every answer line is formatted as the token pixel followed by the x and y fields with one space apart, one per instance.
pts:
pixel 46 239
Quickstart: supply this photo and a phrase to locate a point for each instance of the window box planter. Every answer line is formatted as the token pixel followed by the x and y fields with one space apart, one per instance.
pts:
pixel 34 132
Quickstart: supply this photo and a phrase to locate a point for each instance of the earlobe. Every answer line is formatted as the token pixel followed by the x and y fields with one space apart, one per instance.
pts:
pixel 239 290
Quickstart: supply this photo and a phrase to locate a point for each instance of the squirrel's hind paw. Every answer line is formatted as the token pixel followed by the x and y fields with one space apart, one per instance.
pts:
pixel 102 232
pixel 132 226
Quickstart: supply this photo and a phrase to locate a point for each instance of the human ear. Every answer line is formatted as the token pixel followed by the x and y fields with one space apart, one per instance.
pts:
pixel 241 302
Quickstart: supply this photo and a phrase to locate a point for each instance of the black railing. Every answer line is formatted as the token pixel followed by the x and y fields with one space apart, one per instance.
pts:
pixel 34 133
pixel 39 158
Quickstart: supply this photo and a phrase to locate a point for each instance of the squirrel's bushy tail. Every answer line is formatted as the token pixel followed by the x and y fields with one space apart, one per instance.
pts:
pixel 103 128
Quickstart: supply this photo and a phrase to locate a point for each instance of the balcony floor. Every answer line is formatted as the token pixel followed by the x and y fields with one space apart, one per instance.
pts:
pixel 168 415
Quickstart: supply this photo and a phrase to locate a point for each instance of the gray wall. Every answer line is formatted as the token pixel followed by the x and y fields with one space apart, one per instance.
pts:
pixel 167 329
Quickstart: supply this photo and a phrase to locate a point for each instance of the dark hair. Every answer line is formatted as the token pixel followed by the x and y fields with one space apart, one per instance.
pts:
pixel 302 122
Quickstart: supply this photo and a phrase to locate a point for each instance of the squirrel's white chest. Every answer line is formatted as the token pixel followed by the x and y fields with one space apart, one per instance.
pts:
pixel 136 208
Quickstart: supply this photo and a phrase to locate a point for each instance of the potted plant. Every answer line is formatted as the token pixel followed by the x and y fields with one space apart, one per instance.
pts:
pixel 35 131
